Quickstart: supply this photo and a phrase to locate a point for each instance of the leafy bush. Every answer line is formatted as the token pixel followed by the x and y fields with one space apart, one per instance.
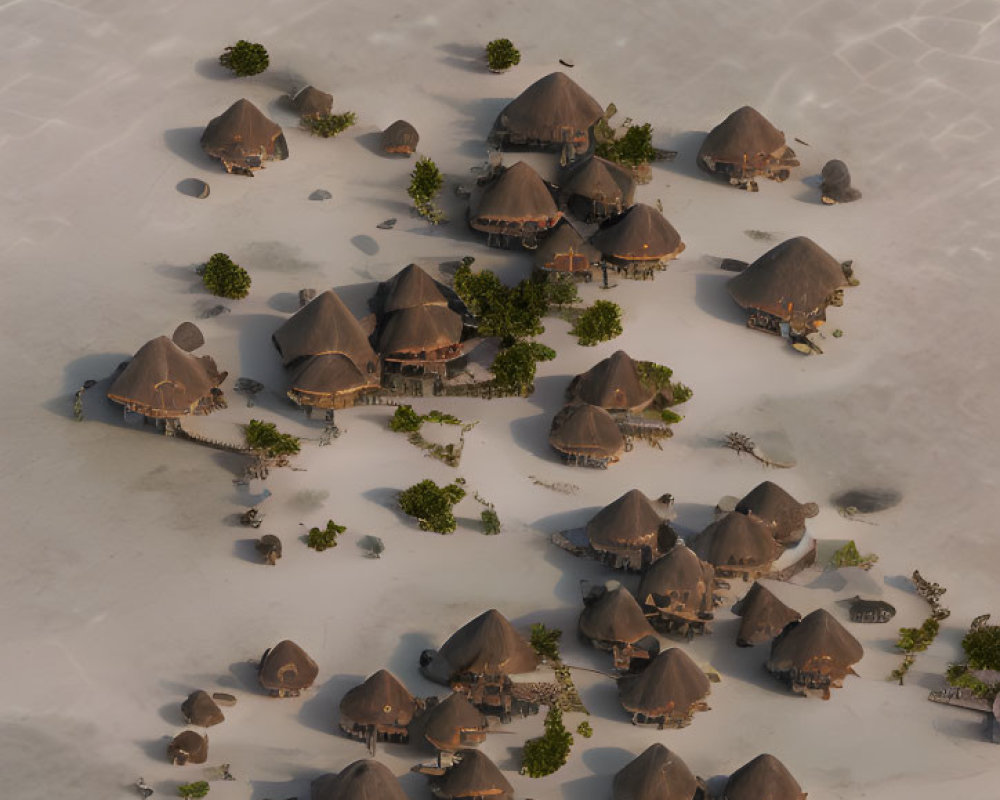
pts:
pixel 441 418
pixel 514 367
pixel 224 278
pixel 511 314
pixel 916 640
pixel 982 647
pixel 196 789
pixel 502 55
pixel 545 755
pixel 431 505
pixel 849 556
pixel 405 420
pixel 958 676
pixel 670 417
pixel 321 539
pixel 426 181
pixel 585 730
pixel 634 148
pixel 327 125
pixel 599 323
pixel 680 394
pixel 655 376
pixel 560 291
pixel 245 58
pixel 545 641
pixel 491 521
pixel 264 438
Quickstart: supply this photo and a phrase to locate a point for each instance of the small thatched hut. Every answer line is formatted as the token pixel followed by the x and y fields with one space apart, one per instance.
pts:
pixel 656 774
pixel 162 381
pixel 744 146
pixel 362 780
pixel 516 206
pixel 286 669
pixel 554 112
pixel 764 616
pixel 613 384
pixel 379 710
pixel 814 654
pixel 400 138
pixel 678 590
pixel 596 189
pixel 565 252
pixel 243 138
pixel 454 723
pixel 667 693
pixel 778 510
pixel 188 747
pixel 738 546
pixel 791 285
pixel 612 620
pixel 311 102
pixel 200 709
pixel 586 435
pixel 630 533
pixel 638 241
pixel 472 777
pixel 764 776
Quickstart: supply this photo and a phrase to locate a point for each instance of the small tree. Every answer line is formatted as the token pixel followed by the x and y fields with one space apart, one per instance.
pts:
pixel 561 291
pixel 599 323
pixel 245 58
pixel 545 641
pixel 514 367
pixel 634 148
pixel 585 730
pixel 545 755
pixel 426 181
pixel 196 789
pixel 224 278
pixel 501 55
pixel 325 538
pixel 916 640
pixel 491 521
pixel 405 420
pixel 265 439
pixel 431 505
pixel 982 647
pixel 850 556
pixel 327 125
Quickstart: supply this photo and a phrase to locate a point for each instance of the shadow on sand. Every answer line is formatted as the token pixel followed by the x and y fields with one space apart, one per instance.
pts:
pixel 467 57
pixel 710 296
pixel 186 143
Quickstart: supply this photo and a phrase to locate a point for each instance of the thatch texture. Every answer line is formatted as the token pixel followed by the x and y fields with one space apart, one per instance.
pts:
pixel 188 747
pixel 323 381
pixel 744 136
pixel 667 692
pixel 517 197
pixel 779 511
pixel 381 701
pixel 200 709
pixel 605 187
pixel 736 545
pixel 763 777
pixel 472 776
pixel 641 234
pixel 614 617
pixel 565 250
pixel 814 653
pixel 678 585
pixel 454 723
pixel 165 382
pixel 241 137
pixel 408 288
pixel 188 337
pixel 324 325
pixel 420 329
pixel 630 522
pixel 581 430
pixel 488 645
pixel 363 780
pixel 400 137
pixel 655 774
pixel 612 384
pixel 286 669
pixel 764 616
pixel 312 102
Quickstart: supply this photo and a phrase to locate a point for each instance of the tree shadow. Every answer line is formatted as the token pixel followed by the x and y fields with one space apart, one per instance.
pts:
pixel 319 712
pixel 470 58
pixel 211 68
pixel 387 497
pixel 710 296
pixel 186 143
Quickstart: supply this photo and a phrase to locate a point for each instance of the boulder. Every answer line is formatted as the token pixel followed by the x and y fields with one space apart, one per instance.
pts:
pixel 200 709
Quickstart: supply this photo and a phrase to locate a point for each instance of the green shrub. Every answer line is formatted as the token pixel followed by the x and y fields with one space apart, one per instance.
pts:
pixel 510 314
pixel 982 647
pixel 916 640
pixel 670 417
pixel 431 505
pixel 655 376
pixel 245 58
pixel 405 420
pixel 224 278
pixel 545 755
pixel 679 394
pixel 849 556
pixel 959 677
pixel 321 539
pixel 426 181
pixel 264 438
pixel 560 291
pixel 599 323
pixel 441 418
pixel 502 55
pixel 196 789
pixel 491 521
pixel 634 148
pixel 514 367
pixel 327 125
pixel 545 641
pixel 585 730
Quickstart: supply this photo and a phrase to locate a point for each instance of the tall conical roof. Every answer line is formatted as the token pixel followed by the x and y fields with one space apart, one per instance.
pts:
pixel 612 384
pixel 763 777
pixel 242 132
pixel 629 521
pixel 818 644
pixel 489 645
pixel 764 616
pixel 445 723
pixel 678 581
pixel 615 617
pixel 735 542
pixel 670 686
pixel 287 667
pixel 640 234
pixel 312 102
pixel 518 195
pixel 319 379
pixel 554 109
pixel 420 329
pixel 473 775
pixel 363 780
pixel 563 239
pixel 400 137
pixel 324 325
pixel 655 774
pixel 581 429
pixel 380 700
pixel 745 133
pixel 600 180
pixel 408 288
pixel 776 508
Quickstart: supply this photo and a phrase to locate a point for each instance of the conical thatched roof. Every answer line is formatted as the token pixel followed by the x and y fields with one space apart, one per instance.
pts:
pixel 445 723
pixel 763 777
pixel 188 747
pixel 420 329
pixel 630 521
pixel 408 288
pixel 287 667
pixel 736 542
pixel 312 102
pixel 200 709
pixel 670 686
pixel 776 508
pixel 362 780
pixel 324 325
pixel 580 429
pixel 563 240
pixel 602 181
pixel 655 774
pixel 242 136
pixel 320 379
pixel 615 617
pixel 380 700
pixel 612 384
pixel 552 110
pixel 517 196
pixel 400 137
pixel 764 616
pixel 640 234
pixel 743 134
pixel 164 381
pixel 474 775
pixel 815 651
pixel 796 278
pixel 489 645
pixel 678 581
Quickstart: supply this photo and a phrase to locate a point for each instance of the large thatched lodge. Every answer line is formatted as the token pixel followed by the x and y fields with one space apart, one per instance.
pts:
pixel 242 138
pixel 638 241
pixel 632 532
pixel 516 207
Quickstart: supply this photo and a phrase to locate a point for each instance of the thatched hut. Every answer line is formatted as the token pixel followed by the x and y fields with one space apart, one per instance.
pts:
pixel 286 669
pixel 738 546
pixel 411 287
pixel 311 103
pixel 243 138
pixel 656 774
pixel 814 654
pixel 162 381
pixel 400 138
pixel 667 693
pixel 552 113
pixel 678 591
pixel 638 241
pixel 516 206
pixel 778 510
pixel 188 747
pixel 565 252
pixel 787 290
pixel 379 710
pixel 764 616
pixel 612 621
pixel 586 435
pixel 764 776
pixel 454 723
pixel 596 189
pixel 472 777
pixel 613 384
pixel 630 533
pixel 744 146
pixel 362 780
pixel 200 709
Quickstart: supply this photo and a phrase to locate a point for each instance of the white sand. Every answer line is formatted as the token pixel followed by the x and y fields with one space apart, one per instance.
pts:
pixel 128 584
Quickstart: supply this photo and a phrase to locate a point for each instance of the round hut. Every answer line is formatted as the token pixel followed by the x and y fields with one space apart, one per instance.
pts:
pixel 667 693
pixel 679 589
pixel 312 103
pixel 362 780
pixel 613 384
pixel 814 654
pixel 242 138
pixel 596 189
pixel 552 113
pixel 201 710
pixel 565 252
pixel 638 241
pixel 778 510
pixel 764 776
pixel 162 381
pixel 738 546
pixel 516 206
pixel 378 710
pixel 454 723
pixel 286 669
pixel 400 138
pixel 744 146
pixel 472 777
pixel 630 533
pixel 764 616
pixel 789 288
pixel 188 747
pixel 586 435
pixel 612 621
pixel 656 774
